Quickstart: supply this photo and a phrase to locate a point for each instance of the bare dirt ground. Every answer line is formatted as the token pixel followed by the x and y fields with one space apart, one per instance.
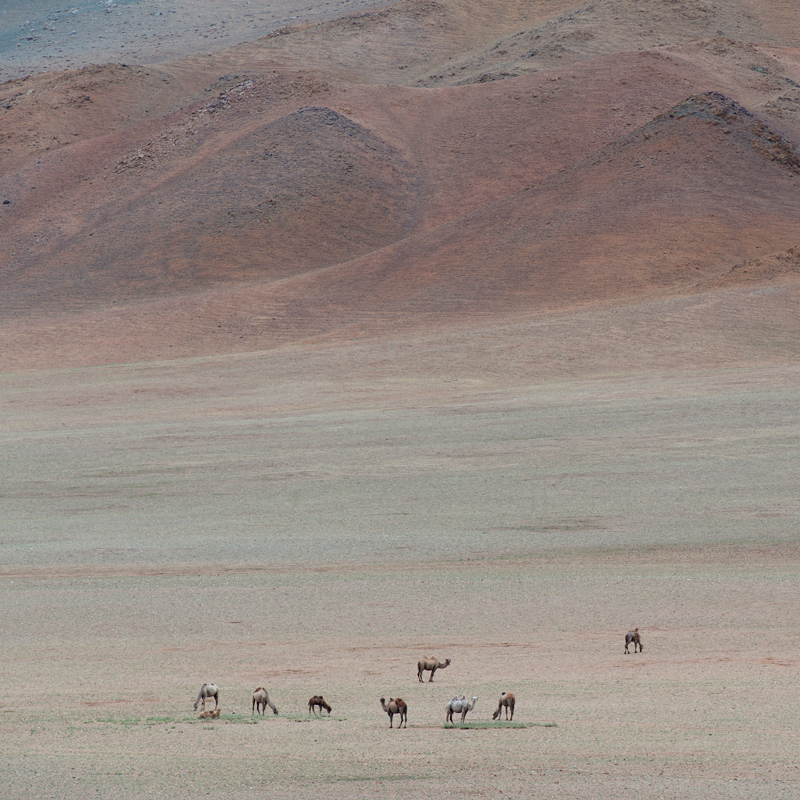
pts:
pixel 335 335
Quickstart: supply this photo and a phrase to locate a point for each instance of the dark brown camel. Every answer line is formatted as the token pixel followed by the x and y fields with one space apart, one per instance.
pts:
pixel 318 702
pixel 633 636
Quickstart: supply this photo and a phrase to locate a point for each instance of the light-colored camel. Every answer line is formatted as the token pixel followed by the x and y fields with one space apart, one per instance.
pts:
pixel 396 706
pixel 633 636
pixel 261 701
pixel 207 691
pixel 431 665
pixel 459 706
pixel 507 701
pixel 209 714
pixel 318 702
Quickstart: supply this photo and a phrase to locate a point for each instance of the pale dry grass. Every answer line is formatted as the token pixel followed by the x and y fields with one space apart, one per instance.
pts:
pixel 255 533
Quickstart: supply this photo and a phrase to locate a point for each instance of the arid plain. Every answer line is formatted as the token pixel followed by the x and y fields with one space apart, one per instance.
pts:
pixel 336 335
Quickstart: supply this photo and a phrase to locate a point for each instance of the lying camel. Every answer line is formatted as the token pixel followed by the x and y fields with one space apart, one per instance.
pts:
pixel 318 702
pixel 459 706
pixel 261 701
pixel 209 714
pixel 396 706
pixel 507 701
pixel 633 636
pixel 207 690
pixel 430 664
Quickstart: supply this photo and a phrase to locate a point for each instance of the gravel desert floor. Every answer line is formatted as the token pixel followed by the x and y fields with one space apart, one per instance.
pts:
pixel 250 521
pixel 338 334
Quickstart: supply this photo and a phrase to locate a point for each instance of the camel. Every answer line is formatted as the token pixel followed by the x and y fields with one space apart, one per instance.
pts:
pixel 209 714
pixel 261 701
pixel 318 702
pixel 207 691
pixel 459 706
pixel 633 636
pixel 507 701
pixel 396 706
pixel 430 664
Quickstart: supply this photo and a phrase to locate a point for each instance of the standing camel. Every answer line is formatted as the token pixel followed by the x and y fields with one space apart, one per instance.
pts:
pixel 207 691
pixel 507 701
pixel 261 701
pixel 318 702
pixel 459 706
pixel 396 706
pixel 633 636
pixel 431 665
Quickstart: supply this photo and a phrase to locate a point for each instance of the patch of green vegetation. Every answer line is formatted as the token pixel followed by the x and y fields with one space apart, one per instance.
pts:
pixel 480 726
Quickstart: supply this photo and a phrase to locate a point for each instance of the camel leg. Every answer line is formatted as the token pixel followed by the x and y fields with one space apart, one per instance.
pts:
pixel 433 672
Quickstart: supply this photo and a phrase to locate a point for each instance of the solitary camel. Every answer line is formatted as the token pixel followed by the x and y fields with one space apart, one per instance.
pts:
pixel 209 714
pixel 207 691
pixel 430 664
pixel 396 706
pixel 633 636
pixel 261 701
pixel 459 706
pixel 318 702
pixel 507 701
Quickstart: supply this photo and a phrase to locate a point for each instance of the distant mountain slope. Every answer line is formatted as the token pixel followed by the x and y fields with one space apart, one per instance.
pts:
pixel 270 177
pixel 348 177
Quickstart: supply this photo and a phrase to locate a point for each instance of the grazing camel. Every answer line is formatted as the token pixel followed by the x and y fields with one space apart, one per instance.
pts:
pixel 459 706
pixel 430 664
pixel 261 701
pixel 209 714
pixel 396 706
pixel 507 701
pixel 633 636
pixel 207 691
pixel 318 702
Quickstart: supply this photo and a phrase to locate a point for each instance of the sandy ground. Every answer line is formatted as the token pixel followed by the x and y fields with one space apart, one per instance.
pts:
pixel 244 521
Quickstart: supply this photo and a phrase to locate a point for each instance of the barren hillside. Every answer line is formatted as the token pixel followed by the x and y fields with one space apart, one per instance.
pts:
pixel 423 160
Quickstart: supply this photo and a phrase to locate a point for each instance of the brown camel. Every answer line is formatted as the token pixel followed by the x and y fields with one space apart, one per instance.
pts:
pixel 396 706
pixel 507 701
pixel 633 636
pixel 207 691
pixel 261 701
pixel 430 664
pixel 209 714
pixel 318 702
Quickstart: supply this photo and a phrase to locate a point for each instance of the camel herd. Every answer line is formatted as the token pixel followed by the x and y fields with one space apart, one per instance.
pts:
pixel 396 705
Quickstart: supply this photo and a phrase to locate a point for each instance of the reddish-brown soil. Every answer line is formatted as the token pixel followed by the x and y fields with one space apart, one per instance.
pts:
pixel 335 335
